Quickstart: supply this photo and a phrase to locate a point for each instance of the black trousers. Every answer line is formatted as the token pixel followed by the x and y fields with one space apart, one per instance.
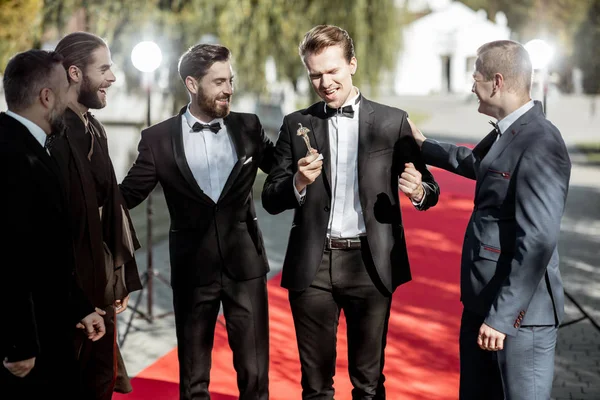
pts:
pixel 343 282
pixel 247 321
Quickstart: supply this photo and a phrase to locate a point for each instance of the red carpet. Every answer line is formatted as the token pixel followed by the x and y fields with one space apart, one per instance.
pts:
pixel 422 350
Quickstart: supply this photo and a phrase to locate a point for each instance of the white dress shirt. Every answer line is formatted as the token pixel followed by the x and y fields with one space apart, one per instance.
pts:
pixel 210 156
pixel 37 132
pixel 346 218
pixel 507 121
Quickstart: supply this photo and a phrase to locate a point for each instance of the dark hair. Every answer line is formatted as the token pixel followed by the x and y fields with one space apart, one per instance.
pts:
pixel 26 74
pixel 77 49
pixel 323 36
pixel 198 59
pixel 508 58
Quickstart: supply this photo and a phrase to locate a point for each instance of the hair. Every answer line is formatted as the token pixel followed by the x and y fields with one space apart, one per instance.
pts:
pixel 26 74
pixel 77 49
pixel 323 36
pixel 197 60
pixel 508 58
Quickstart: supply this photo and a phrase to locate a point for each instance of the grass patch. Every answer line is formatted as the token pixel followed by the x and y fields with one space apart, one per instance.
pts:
pixel 591 151
pixel 418 117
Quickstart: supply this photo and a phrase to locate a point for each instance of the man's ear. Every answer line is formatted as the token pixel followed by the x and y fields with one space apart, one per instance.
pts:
pixel 47 97
pixel 191 84
pixel 75 74
pixel 498 81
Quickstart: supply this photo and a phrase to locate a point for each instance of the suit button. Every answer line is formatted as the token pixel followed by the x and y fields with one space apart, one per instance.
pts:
pixel 326 209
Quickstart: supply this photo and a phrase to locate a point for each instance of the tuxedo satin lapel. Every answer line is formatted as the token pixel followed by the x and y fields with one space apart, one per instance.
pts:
pixel 181 161
pixel 365 123
pixel 236 132
pixel 319 135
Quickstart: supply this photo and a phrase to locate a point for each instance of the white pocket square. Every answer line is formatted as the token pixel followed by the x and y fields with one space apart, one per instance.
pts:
pixel 248 160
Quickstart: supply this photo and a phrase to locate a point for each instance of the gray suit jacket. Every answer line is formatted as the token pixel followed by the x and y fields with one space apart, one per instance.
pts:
pixel 509 268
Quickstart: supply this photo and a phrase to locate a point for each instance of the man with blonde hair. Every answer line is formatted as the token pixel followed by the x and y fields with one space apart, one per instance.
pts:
pixel 511 287
pixel 346 249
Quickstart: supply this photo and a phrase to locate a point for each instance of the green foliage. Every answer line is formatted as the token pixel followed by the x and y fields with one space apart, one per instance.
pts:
pixel 20 27
pixel 587 42
pixel 254 30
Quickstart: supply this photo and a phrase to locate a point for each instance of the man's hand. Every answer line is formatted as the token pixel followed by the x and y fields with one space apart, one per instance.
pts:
pixel 490 339
pixel 309 169
pixel 121 305
pixel 419 137
pixel 93 325
pixel 410 183
pixel 20 368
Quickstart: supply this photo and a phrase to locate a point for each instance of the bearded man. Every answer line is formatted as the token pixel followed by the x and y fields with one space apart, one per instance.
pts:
pixel 104 239
pixel 206 159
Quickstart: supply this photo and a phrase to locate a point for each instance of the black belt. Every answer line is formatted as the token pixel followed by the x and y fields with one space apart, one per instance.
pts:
pixel 343 243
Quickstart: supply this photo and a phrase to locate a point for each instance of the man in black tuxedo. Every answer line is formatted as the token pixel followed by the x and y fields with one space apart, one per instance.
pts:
pixel 511 287
pixel 206 159
pixel 346 249
pixel 41 300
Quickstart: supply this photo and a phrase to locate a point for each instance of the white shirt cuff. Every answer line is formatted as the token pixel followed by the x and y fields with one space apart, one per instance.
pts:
pixel 420 203
pixel 299 195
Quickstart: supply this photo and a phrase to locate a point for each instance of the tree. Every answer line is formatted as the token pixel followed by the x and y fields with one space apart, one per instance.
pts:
pixel 587 41
pixel 255 30
pixel 14 16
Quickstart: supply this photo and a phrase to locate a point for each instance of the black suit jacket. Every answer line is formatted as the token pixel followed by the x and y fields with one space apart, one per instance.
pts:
pixel 385 144
pixel 40 300
pixel 205 236
pixel 509 268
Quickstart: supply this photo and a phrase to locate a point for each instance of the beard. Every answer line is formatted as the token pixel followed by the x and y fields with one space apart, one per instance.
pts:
pixel 209 105
pixel 56 119
pixel 88 95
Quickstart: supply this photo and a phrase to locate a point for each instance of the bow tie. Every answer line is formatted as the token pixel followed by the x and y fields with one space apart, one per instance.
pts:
pixel 346 111
pixel 215 127
pixel 496 128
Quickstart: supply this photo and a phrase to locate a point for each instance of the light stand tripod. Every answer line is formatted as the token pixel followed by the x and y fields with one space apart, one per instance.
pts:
pixel 144 57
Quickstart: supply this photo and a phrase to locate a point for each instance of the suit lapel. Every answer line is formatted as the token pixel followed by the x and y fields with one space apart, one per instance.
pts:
pixel 181 161
pixel 365 121
pixel 505 139
pixel 320 136
pixel 236 133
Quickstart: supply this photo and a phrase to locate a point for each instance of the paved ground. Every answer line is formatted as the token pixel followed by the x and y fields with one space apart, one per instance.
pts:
pixel 578 351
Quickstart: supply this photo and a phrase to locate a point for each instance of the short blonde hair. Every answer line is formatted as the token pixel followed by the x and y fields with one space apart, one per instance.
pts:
pixel 323 36
pixel 508 58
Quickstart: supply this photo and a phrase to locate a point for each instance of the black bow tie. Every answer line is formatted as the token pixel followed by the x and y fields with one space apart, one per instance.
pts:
pixel 346 111
pixel 215 127
pixel 496 128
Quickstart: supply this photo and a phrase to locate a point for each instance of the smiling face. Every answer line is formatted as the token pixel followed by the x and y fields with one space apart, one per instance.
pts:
pixel 97 78
pixel 212 93
pixel 331 75
pixel 484 90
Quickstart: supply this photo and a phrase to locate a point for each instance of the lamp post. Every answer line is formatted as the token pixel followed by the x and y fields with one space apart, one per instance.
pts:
pixel 146 57
pixel 541 54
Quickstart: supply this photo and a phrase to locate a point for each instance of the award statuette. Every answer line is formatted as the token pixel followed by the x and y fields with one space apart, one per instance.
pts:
pixel 303 131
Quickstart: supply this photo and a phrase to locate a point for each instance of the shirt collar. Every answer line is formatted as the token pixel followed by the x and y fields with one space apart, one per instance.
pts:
pixel 191 120
pixel 37 132
pixel 354 101
pixel 507 121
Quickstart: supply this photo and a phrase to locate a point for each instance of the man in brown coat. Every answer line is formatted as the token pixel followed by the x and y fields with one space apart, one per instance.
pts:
pixel 105 240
